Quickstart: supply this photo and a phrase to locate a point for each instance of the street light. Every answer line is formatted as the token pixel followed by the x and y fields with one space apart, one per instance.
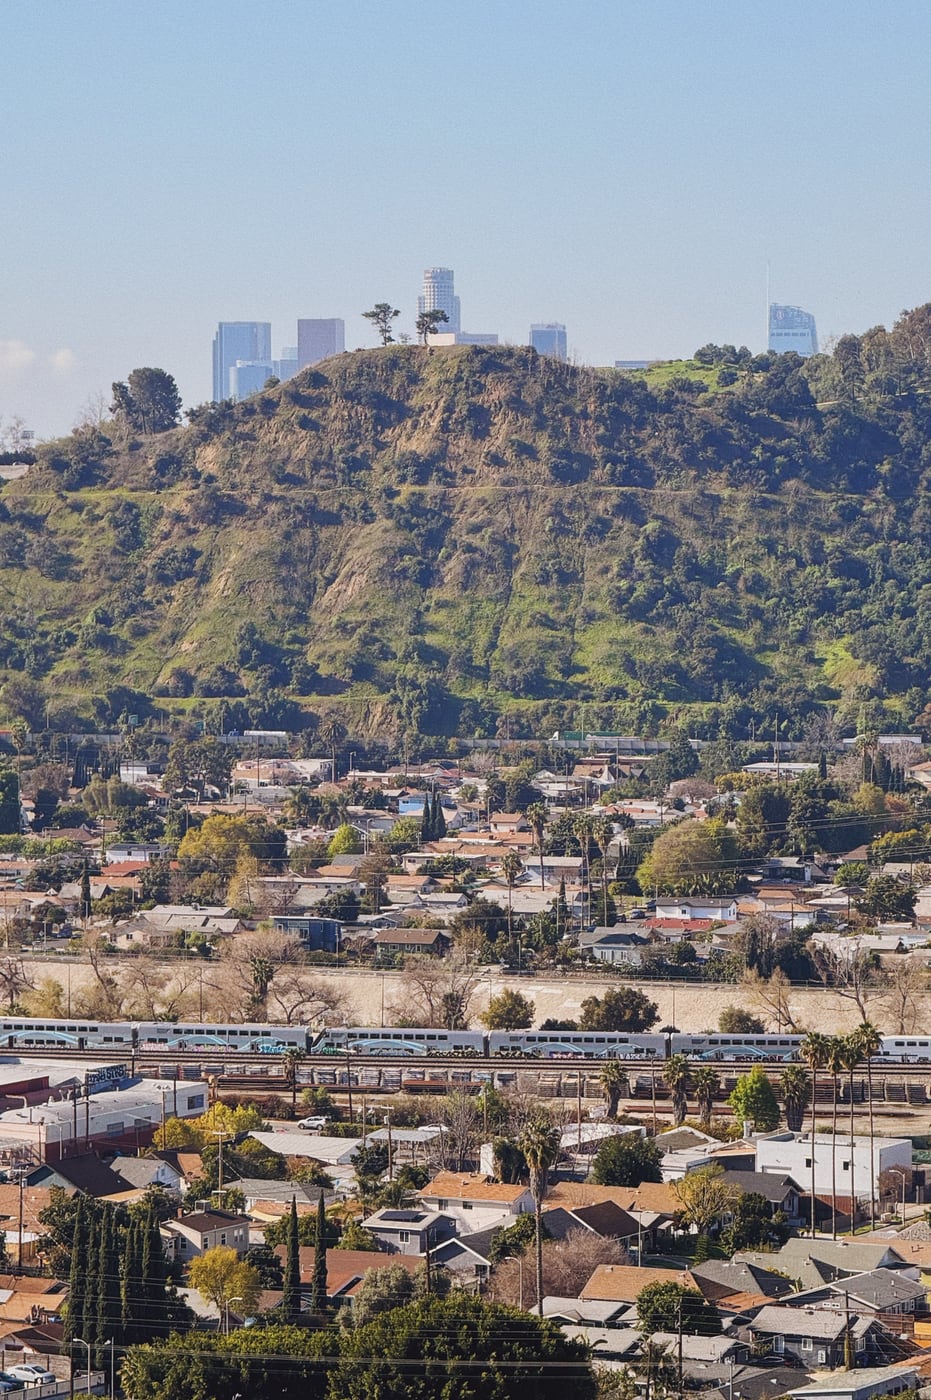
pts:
pixel 897 1171
pixel 88 1345
pixel 235 1299
pixel 112 1345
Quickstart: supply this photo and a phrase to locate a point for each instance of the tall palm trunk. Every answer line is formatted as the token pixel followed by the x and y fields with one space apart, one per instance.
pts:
pixel 869 1088
pixel 814 1098
pixel 834 1157
pixel 538 1211
pixel 853 1194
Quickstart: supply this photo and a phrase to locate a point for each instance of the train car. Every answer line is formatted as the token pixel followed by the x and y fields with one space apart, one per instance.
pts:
pixel 398 1040
pixel 717 1046
pixel 74 1032
pixel 252 1037
pixel 601 1045
pixel 906 1049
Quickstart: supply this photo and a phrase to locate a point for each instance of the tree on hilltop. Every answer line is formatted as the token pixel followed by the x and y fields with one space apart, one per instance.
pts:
pixel 428 322
pixel 148 402
pixel 381 316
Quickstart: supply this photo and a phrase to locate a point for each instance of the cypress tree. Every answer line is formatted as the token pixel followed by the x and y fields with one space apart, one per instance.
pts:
pixel 439 821
pixel 74 1318
pixel 318 1294
pixel 91 1277
pixel 132 1284
pixel 109 1302
pixel 154 1275
pixel 85 892
pixel 291 1296
pixel 426 824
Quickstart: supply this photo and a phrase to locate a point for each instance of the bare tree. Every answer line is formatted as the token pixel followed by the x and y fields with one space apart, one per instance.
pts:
pixel 568 1264
pixel 295 997
pixel 849 972
pixel 771 996
pixel 437 992
pixel 906 984
pixel 459 1115
pixel 13 978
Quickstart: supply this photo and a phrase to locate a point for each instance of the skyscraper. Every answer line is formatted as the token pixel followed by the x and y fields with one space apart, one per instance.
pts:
pixel 318 339
pixel 238 340
pixel 790 328
pixel 549 338
pixel 438 295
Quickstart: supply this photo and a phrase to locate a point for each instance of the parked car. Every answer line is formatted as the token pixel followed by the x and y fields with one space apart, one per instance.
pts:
pixel 8 1383
pixel 315 1123
pixel 32 1374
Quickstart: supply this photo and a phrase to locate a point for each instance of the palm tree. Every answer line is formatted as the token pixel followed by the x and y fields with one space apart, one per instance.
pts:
pixel 333 734
pixel 814 1050
pixel 706 1084
pixel 539 1143
pixel 836 1064
pixel 290 1063
pixel 613 1083
pixel 536 815
pixel 870 1044
pixel 582 828
pixel 603 832
pixel 796 1096
pixel 511 867
pixel 676 1075
pixel 852 1057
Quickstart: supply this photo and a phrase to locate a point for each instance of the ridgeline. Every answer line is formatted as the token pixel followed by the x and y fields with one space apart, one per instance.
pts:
pixel 423 541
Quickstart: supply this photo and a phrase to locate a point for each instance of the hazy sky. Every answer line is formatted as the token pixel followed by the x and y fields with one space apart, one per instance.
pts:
pixel 628 168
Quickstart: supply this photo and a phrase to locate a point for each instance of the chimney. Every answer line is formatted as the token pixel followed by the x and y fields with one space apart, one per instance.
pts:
pixel 748 1130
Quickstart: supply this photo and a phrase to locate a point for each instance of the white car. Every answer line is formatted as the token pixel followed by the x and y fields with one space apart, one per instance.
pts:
pixel 32 1374
pixel 313 1125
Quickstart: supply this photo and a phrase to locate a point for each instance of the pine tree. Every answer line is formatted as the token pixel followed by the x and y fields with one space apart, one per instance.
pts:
pixel 318 1294
pixel 439 821
pixel 291 1295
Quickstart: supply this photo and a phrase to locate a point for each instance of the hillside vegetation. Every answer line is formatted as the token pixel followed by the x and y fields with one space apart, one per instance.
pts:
pixel 424 541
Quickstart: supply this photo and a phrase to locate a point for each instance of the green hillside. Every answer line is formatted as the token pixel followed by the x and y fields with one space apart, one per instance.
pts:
pixel 424 541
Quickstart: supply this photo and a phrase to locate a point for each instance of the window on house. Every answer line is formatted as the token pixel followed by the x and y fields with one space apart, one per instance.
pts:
pixel 223 1239
pixel 442 1205
pixel 845 1166
pixel 404 1236
pixel 807 1161
pixel 467 1205
pixel 779 1345
pixel 807 1344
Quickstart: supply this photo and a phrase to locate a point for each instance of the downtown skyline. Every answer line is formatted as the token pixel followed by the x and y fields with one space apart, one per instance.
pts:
pixel 629 173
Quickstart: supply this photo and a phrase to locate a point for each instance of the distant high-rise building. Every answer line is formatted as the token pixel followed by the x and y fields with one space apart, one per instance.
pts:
pixel 549 338
pixel 318 339
pixel 439 295
pixel 790 328
pixel 238 340
pixel 248 377
pixel 287 365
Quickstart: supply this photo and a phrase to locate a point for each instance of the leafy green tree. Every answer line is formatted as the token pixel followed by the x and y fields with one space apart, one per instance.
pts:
pixel 428 322
pixel 148 402
pixel 264 1363
pixel 754 1225
pixel 886 898
pixel 219 1275
pixel 196 764
pixel 692 858
pixel 735 1020
pixel 459 1348
pixel 381 316
pixel 508 1011
pixel 620 1009
pixel 670 1307
pixel 753 1100
pixel 10 818
pixel 344 841
pixel 626 1160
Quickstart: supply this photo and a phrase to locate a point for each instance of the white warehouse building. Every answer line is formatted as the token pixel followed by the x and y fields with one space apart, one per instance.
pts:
pixel 115 1118
pixel 789 1154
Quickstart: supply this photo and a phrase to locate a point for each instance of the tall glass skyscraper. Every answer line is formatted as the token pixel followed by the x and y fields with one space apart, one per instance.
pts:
pixel 791 328
pixel 238 340
pixel 318 339
pixel 549 338
pixel 439 295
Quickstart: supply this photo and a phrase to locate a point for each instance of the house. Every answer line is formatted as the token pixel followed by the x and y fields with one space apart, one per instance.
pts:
pixel 697 907
pixel 203 1230
pixel 657 1198
pixel 86 1175
pixel 623 1283
pixel 346 1268
pixel 865 1384
pixel 721 1279
pixel 409 1231
pixel 316 935
pixel 431 942
pixel 780 1192
pixel 790 1154
pixel 585 1312
pixel 504 823
pixel 476 1201
pixel 811 1262
pixel 257 1189
pixel 888 1293
pixel 469 1256
pixel 814 1336
pixel 724 1350
pixel 614 945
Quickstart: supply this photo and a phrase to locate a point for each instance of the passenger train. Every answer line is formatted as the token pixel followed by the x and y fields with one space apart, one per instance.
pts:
pixel 129 1037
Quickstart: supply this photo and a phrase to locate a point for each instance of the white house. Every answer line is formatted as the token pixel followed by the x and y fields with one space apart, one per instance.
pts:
pixel 790 1154
pixel 205 1230
pixel 697 907
pixel 474 1201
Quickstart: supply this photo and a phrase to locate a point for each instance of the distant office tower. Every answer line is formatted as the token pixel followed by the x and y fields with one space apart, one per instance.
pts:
pixel 287 365
pixel 238 340
pixel 549 338
pixel 248 377
pixel 439 295
pixel 790 328
pixel 317 340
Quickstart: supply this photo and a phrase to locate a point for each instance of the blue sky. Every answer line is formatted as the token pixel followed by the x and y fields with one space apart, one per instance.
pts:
pixel 627 168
